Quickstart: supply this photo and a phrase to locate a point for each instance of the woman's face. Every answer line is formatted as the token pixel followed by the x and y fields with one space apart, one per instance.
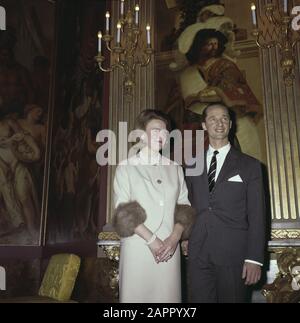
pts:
pixel 156 134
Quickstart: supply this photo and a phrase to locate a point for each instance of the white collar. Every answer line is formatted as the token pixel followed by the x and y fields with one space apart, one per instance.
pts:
pixel 223 150
pixel 149 157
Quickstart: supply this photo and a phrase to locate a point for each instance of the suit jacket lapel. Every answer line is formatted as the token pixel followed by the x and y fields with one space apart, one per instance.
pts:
pixel 205 176
pixel 228 166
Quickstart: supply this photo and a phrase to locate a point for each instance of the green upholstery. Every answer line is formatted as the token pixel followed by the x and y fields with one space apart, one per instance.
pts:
pixel 60 277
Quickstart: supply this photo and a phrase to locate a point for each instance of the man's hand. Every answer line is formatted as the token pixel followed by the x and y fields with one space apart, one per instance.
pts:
pixel 184 247
pixel 252 273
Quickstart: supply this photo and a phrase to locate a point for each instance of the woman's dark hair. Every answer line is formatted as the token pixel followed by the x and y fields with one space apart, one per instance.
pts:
pixel 148 115
pixel 200 40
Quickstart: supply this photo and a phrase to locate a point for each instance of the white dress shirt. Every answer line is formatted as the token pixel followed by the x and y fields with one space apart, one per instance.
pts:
pixel 221 156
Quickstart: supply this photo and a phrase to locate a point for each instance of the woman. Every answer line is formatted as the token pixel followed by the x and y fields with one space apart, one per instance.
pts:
pixel 147 188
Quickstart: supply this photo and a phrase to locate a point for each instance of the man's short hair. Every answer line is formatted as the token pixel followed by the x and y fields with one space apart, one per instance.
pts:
pixel 221 105
pixel 200 40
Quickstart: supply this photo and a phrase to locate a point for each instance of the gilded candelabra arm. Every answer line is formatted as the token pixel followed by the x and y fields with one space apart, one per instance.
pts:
pixel 106 70
pixel 257 35
pixel 148 52
pixel 118 51
pixel 137 34
pixel 107 39
pixel 100 59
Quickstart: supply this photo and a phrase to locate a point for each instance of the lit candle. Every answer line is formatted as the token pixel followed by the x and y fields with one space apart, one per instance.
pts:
pixel 122 7
pixel 137 9
pixel 148 35
pixel 285 6
pixel 253 8
pixel 107 22
pixel 119 26
pixel 99 41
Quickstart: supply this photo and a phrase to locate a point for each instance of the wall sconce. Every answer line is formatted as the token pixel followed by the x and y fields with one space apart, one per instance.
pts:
pixel 127 51
pixel 285 38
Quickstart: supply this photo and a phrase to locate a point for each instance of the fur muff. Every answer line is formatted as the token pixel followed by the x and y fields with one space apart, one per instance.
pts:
pixel 186 216
pixel 127 217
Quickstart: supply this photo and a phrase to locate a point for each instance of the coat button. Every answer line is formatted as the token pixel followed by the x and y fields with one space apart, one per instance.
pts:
pixel 159 181
pixel 210 208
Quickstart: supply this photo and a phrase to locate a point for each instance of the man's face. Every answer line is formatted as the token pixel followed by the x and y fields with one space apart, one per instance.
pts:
pixel 217 123
pixel 210 48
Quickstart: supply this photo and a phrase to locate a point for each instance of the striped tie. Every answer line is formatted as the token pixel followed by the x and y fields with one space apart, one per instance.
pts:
pixel 212 171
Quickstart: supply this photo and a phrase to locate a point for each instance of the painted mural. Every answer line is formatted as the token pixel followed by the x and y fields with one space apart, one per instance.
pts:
pixel 74 174
pixel 25 61
pixel 205 65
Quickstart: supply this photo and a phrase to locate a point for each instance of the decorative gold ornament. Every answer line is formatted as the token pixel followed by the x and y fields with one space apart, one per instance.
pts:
pixel 282 37
pixel 127 52
pixel 286 286
pixel 110 243
pixel 285 234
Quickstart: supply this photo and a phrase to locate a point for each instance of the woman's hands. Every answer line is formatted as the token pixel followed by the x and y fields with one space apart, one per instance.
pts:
pixel 161 250
pixel 168 249
pixel 154 247
pixel 148 236
pixel 170 244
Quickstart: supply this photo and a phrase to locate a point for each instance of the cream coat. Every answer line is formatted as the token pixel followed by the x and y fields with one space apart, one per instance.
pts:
pixel 157 189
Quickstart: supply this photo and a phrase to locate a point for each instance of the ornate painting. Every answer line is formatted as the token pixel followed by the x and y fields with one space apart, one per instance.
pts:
pixel 78 116
pixel 25 62
pixel 206 57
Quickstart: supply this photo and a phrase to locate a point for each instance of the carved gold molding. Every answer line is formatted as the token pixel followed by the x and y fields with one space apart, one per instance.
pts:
pixel 109 241
pixel 285 234
pixel 108 235
pixel 286 286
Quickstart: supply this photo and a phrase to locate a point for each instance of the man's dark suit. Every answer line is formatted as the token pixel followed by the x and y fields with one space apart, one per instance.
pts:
pixel 229 229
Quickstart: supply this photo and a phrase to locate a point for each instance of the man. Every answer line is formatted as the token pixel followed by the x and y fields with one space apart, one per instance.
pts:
pixel 213 77
pixel 226 246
